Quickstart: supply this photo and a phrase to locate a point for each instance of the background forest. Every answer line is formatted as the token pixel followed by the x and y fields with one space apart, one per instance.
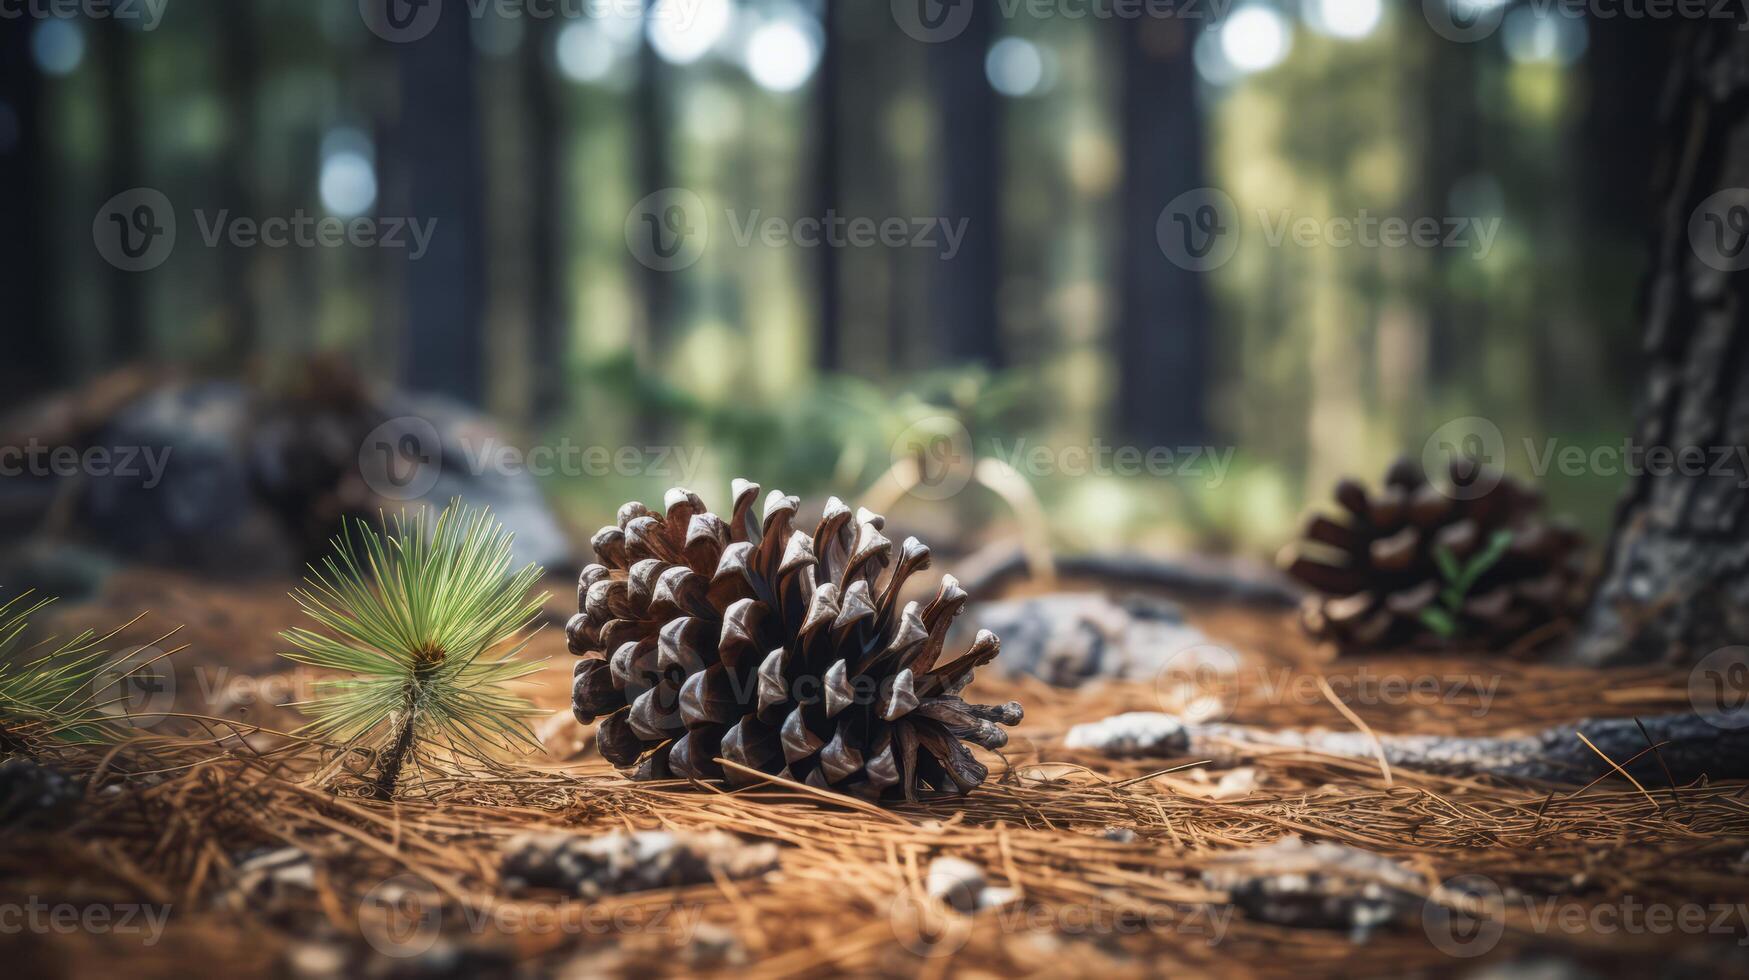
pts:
pixel 1051 135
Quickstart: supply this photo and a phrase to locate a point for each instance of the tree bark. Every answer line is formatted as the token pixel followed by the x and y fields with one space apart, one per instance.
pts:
pixel 1676 582
pixel 438 144
pixel 37 360
pixel 1163 332
pixel 963 288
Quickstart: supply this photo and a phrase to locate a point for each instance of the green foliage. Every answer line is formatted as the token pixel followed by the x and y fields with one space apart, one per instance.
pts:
pixel 1459 579
pixel 51 689
pixel 410 616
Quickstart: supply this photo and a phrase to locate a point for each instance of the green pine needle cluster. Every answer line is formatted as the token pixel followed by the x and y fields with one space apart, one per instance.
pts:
pixel 53 690
pixel 411 617
pixel 1459 579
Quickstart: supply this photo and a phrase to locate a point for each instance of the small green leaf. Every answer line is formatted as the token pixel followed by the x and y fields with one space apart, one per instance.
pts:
pixel 1448 564
pixel 1439 621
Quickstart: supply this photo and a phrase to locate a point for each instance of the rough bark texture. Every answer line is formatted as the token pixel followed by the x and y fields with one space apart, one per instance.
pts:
pixel 1676 583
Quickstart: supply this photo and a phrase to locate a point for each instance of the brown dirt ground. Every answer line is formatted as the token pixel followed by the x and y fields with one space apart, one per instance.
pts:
pixel 843 899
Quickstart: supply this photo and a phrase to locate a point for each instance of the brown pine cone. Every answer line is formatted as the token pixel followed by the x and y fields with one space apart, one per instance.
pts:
pixel 778 650
pixel 1376 572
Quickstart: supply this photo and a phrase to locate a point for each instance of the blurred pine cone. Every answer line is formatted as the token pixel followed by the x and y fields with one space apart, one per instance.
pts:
pixel 777 650
pixel 1418 564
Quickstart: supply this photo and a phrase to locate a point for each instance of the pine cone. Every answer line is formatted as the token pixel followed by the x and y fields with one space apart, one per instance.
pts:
pixel 1376 575
pixel 777 650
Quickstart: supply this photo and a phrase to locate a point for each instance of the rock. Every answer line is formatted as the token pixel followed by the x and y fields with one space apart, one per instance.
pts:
pixel 628 862
pixel 1135 734
pixel 961 885
pixel 955 882
pixel 1069 639
pixel 36 797
pixel 1316 886
pixel 231 479
pixel 273 876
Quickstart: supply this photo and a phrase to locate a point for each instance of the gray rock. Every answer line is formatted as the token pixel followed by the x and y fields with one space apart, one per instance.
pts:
pixel 628 862
pixel 1071 638
pixel 1316 886
pixel 1135 734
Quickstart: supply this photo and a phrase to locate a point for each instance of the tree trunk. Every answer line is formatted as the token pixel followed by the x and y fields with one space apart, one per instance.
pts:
pixel 963 288
pixel 439 157
pixel 827 82
pixel 1676 583
pixel 550 341
pixel 1163 329
pixel 37 359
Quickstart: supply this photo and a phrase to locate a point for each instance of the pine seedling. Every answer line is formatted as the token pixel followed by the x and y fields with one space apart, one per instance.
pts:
pixel 56 690
pixel 415 619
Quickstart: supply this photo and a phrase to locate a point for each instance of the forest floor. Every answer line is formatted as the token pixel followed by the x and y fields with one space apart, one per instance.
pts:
pixel 1103 859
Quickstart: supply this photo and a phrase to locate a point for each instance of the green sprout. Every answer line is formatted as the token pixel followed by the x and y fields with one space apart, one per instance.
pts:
pixel 1460 578
pixel 52 690
pixel 411 616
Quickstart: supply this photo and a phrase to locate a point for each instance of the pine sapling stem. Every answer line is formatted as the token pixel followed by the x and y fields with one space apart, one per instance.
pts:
pixel 389 770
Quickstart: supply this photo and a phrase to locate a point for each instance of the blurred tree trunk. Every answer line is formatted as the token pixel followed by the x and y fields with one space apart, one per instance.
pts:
pixel 827 355
pixel 1162 342
pixel 550 340
pixel 37 360
pixel 1676 585
pixel 654 173
pixel 439 157
pixel 239 79
pixel 115 48
pixel 963 288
